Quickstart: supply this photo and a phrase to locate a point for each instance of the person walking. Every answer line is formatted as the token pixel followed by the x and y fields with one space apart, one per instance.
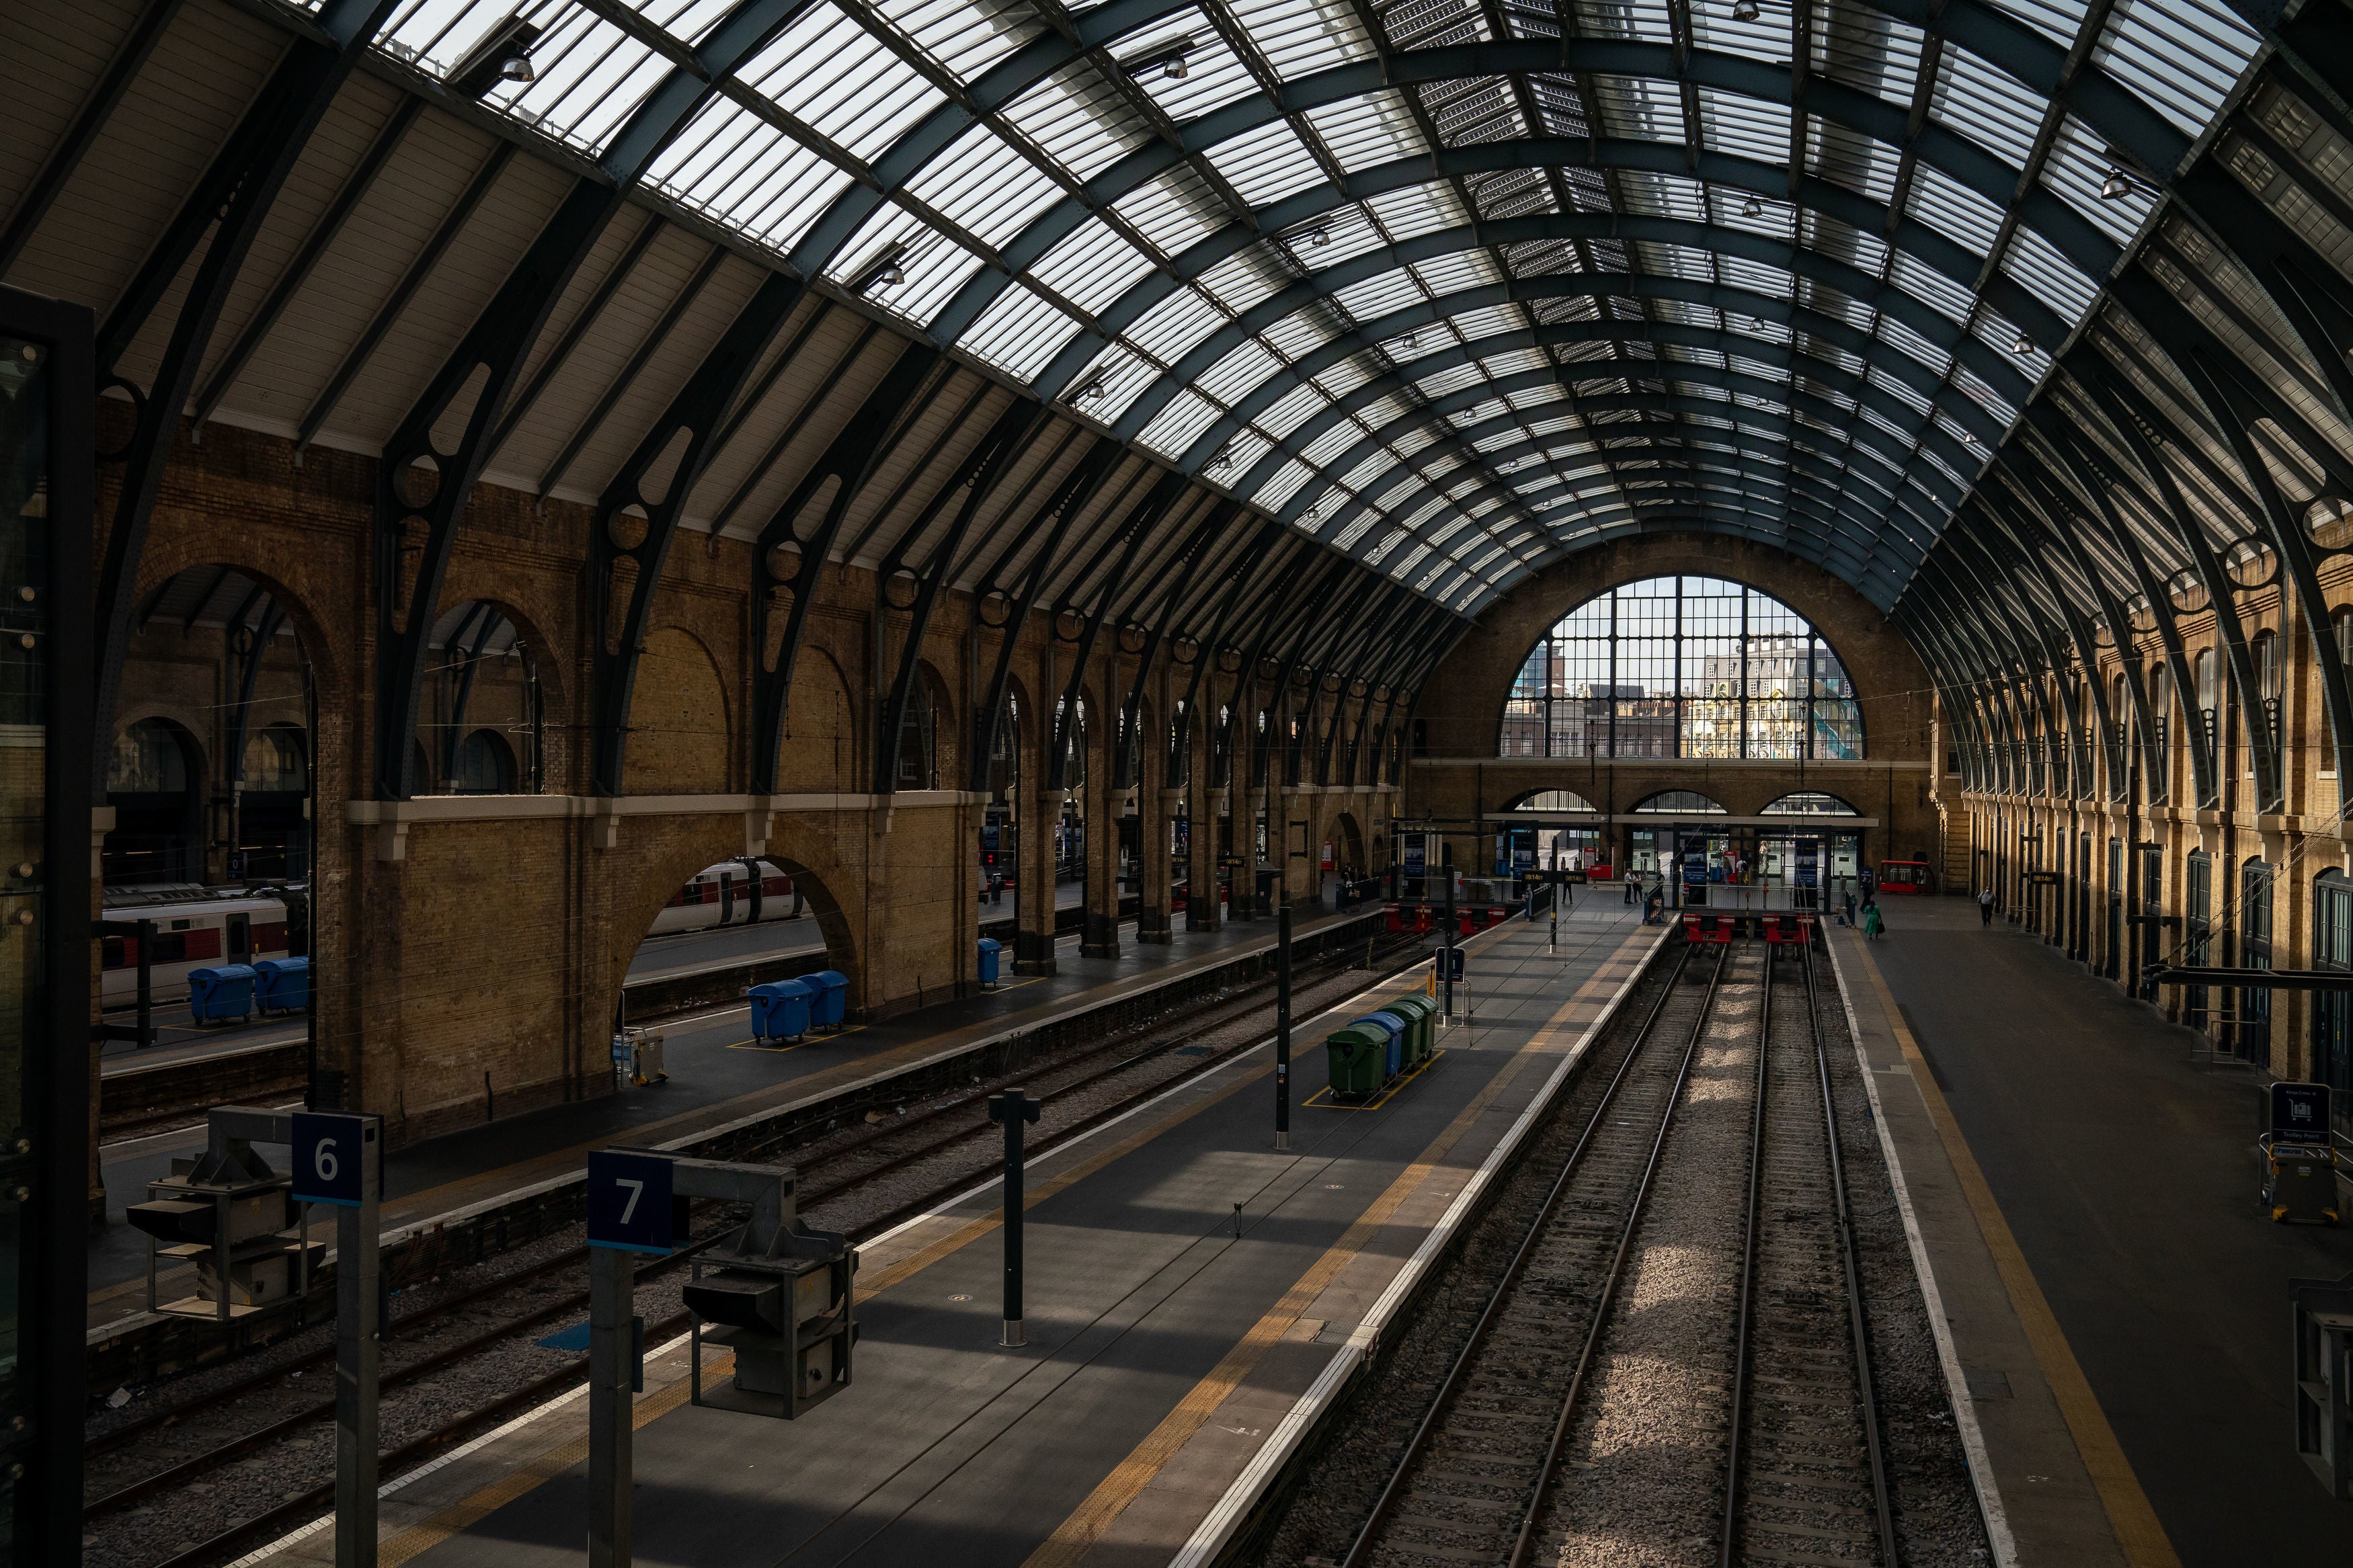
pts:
pixel 1985 905
pixel 1872 924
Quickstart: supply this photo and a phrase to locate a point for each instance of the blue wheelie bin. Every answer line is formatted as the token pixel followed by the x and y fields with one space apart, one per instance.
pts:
pixel 780 1011
pixel 1392 1027
pixel 281 984
pixel 831 1004
pixel 990 950
pixel 222 995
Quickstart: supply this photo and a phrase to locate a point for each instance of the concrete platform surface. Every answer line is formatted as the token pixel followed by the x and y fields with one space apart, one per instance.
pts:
pixel 2117 1298
pixel 714 1079
pixel 1176 1347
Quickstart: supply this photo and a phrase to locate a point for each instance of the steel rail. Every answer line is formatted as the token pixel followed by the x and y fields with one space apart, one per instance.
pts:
pixel 106 1442
pixel 1594 1330
pixel 563 1377
pixel 1747 1264
pixel 1858 1319
pixel 1360 1550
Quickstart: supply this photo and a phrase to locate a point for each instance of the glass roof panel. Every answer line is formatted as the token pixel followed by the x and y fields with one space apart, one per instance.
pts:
pixel 1023 134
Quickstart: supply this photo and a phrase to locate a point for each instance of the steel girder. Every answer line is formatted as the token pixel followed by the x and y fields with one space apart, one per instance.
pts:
pixel 2092 480
pixel 484 365
pixel 982 470
pixel 1190 554
pixel 1244 569
pixel 687 428
pixel 1140 522
pixel 2121 401
pixel 229 203
pixel 2048 496
pixel 1072 496
pixel 849 461
pixel 2024 523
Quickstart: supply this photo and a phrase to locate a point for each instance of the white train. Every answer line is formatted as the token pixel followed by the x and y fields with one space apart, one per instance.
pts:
pixel 722 895
pixel 194 929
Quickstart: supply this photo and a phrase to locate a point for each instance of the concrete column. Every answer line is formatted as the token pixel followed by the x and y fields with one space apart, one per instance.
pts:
pixel 1154 921
pixel 1033 937
pixel 1099 937
pixel 1245 825
pixel 1207 804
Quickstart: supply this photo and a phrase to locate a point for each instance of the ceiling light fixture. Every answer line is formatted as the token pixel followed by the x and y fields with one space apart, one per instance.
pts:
pixel 1752 208
pixel 1170 60
pixel 886 269
pixel 1088 390
pixel 2022 344
pixel 2115 187
pixel 502 56
pixel 1221 459
pixel 1744 10
pixel 1319 235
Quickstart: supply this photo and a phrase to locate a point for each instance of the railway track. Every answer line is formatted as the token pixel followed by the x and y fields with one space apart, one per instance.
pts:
pixel 1670 1348
pixel 1805 1475
pixel 863 1182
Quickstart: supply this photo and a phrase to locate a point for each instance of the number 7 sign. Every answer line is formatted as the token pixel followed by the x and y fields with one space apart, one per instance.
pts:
pixel 629 1201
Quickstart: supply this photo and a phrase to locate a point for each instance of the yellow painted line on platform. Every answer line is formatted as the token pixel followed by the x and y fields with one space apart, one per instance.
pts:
pixel 964 1234
pixel 2136 1528
pixel 1086 1524
pixel 541 1468
pixel 1321 1099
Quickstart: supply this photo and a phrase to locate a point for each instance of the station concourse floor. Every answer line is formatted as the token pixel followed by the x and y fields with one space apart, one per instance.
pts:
pixel 2125 1181
pixel 715 1076
pixel 1167 1355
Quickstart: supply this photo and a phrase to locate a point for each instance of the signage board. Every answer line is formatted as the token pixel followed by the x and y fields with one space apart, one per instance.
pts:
pixel 629 1201
pixel 332 1155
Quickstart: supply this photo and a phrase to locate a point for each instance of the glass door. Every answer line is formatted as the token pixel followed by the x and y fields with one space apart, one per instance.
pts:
pixel 2198 933
pixel 2332 1011
pixel 2255 953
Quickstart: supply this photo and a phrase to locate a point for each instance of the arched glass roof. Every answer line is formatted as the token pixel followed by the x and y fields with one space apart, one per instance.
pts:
pixel 1455 287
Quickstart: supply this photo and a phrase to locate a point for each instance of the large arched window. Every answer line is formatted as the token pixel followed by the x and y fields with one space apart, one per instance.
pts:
pixel 1683 666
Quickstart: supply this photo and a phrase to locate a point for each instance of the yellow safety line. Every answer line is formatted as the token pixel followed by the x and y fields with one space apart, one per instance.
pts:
pixel 1321 1099
pixel 1086 1524
pixel 561 1458
pixel 542 1467
pixel 558 1460
pixel 2130 1516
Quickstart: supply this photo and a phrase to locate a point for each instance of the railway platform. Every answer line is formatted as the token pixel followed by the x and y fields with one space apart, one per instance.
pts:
pixel 2084 1197
pixel 716 1076
pixel 1195 1300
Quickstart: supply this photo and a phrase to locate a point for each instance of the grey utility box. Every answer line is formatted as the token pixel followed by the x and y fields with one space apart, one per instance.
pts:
pixel 2324 1370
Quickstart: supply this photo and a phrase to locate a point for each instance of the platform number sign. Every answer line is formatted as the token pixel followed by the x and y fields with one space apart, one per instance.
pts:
pixel 332 1155
pixel 630 1203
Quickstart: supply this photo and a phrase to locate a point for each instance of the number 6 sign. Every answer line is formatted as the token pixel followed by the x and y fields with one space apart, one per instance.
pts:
pixel 628 1202
pixel 332 1153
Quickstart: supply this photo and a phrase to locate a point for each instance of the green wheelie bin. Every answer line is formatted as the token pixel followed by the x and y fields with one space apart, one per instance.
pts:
pixel 1418 1012
pixel 1359 1060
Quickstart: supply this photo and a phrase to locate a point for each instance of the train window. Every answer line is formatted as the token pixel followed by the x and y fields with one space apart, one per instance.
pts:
pixel 170 947
pixel 114 949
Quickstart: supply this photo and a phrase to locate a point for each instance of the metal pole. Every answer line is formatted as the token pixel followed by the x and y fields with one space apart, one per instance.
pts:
pixel 146 985
pixel 1446 961
pixel 1283 1029
pixel 1013 1108
pixel 612 1273
pixel 358 1306
pixel 1013 1335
